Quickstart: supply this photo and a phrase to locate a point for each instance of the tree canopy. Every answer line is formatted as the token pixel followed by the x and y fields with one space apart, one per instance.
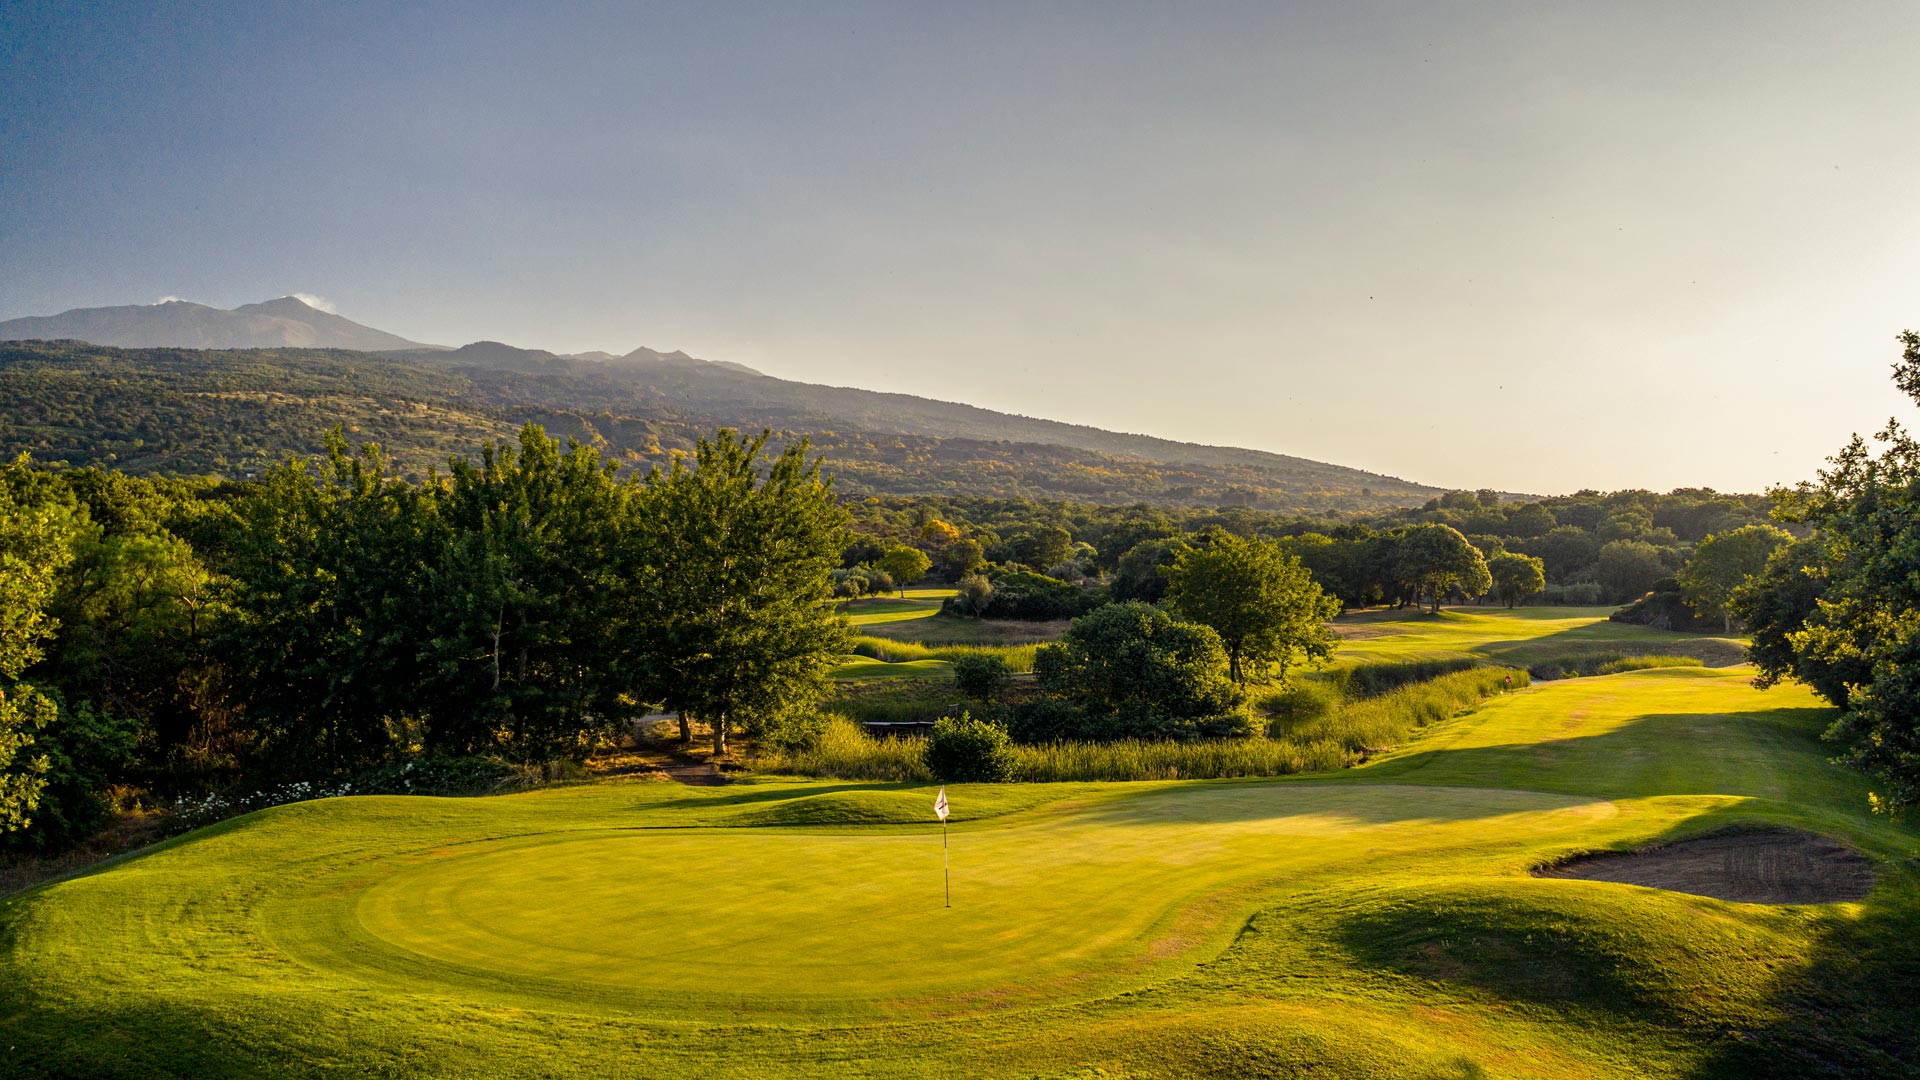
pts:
pixel 1266 607
pixel 1516 577
pixel 1725 561
pixel 1437 559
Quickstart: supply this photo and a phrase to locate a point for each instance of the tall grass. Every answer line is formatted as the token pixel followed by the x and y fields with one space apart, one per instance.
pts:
pixel 1346 733
pixel 1369 724
pixel 1573 666
pixel 846 751
pixel 1207 759
pixel 1016 657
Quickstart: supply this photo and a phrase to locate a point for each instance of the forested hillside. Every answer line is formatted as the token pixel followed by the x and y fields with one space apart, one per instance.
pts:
pixel 232 413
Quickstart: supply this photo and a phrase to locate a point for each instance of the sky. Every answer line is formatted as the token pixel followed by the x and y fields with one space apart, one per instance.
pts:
pixel 1533 247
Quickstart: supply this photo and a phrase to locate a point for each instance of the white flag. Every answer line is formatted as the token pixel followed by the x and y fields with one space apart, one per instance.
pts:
pixel 940 803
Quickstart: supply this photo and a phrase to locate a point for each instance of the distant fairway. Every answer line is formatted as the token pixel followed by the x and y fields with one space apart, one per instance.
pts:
pixel 1376 922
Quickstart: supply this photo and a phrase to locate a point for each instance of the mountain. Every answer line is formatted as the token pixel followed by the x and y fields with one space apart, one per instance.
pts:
pixel 236 412
pixel 284 374
pixel 286 322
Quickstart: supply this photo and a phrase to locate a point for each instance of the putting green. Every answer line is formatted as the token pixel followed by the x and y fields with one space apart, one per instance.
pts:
pixel 783 922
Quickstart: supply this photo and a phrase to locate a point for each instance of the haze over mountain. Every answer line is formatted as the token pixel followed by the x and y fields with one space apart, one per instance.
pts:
pixel 287 322
pixel 880 442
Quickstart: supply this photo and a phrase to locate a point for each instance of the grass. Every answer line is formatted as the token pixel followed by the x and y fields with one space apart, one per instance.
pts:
pixel 883 610
pixel 1016 657
pixel 1374 922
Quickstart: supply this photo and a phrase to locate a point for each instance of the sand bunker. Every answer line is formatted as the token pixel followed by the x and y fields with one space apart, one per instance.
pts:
pixel 1762 866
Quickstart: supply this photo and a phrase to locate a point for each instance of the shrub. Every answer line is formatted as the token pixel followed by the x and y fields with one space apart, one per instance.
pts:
pixel 981 676
pixel 1034 597
pixel 974 596
pixel 435 773
pixel 963 749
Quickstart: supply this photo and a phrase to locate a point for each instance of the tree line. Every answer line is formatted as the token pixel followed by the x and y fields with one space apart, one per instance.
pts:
pixel 333 617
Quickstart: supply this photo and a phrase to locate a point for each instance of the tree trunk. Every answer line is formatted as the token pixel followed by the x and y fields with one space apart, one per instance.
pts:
pixel 719 735
pixel 1726 621
pixel 686 729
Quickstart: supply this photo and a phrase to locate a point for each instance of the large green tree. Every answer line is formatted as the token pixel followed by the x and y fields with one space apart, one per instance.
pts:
pixel 1516 576
pixel 1139 672
pixel 528 654
pixel 1266 607
pixel 905 565
pixel 1628 568
pixel 328 585
pixel 730 580
pixel 1859 637
pixel 37 530
pixel 1435 560
pixel 1722 563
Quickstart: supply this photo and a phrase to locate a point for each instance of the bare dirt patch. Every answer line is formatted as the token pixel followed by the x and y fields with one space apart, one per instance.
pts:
pixel 1758 866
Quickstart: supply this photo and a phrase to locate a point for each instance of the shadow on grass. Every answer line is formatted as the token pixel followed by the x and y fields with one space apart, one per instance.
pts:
pixel 1773 753
pixel 1766 992
pixel 1581 646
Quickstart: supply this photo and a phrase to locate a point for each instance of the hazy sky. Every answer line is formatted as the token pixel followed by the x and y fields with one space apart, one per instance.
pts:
pixel 1532 247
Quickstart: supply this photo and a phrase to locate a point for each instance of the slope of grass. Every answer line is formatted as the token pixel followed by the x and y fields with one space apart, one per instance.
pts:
pixel 1377 922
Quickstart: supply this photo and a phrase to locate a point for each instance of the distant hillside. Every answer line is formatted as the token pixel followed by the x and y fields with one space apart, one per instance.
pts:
pixel 230 413
pixel 647 383
pixel 286 322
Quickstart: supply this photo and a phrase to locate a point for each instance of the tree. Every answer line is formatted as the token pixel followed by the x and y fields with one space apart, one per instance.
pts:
pixel 1529 520
pixel 1776 604
pixel 905 565
pixel 1141 573
pixel 1858 607
pixel 1628 568
pixel 1516 577
pixel 37 529
pixel 1043 546
pixel 981 677
pixel 528 652
pixel 729 576
pixel 974 593
pixel 1722 563
pixel 1567 550
pixel 1137 672
pixel 1436 559
pixel 960 558
pixel 326 641
pixel 1265 606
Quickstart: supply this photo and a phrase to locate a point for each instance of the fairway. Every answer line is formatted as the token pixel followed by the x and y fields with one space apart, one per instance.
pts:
pixel 1382 921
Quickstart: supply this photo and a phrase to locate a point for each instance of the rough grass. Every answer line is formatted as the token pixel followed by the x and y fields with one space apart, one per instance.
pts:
pixel 1016 657
pixel 1375 922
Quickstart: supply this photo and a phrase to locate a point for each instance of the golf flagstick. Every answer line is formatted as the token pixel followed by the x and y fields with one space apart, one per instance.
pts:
pixel 946 863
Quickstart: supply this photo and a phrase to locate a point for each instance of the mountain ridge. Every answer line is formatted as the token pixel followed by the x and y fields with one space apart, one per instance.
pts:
pixel 650 386
pixel 283 322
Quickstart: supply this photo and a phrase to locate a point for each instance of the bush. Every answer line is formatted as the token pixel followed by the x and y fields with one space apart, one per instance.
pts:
pixel 963 749
pixel 1034 597
pixel 435 773
pixel 974 596
pixel 981 676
